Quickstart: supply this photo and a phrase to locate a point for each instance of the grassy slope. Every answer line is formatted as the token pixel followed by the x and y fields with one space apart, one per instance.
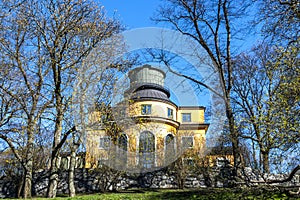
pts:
pixel 187 194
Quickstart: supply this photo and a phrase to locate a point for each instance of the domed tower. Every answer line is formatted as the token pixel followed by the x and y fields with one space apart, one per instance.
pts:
pixel 147 82
pixel 151 99
pixel 155 114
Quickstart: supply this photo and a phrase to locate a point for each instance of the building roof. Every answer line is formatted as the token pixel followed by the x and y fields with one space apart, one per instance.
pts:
pixel 148 90
pixel 191 107
pixel 194 126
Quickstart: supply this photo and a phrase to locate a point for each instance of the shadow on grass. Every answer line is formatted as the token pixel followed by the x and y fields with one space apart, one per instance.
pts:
pixel 219 193
pixel 187 194
pixel 193 194
pixel 137 190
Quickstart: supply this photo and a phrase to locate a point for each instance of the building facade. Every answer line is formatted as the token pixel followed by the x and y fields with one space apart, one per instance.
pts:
pixel 152 131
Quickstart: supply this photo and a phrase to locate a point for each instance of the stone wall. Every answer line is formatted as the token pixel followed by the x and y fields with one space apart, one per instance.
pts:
pixel 97 180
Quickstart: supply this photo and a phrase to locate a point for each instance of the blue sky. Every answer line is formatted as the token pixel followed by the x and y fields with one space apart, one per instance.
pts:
pixel 132 13
pixel 136 14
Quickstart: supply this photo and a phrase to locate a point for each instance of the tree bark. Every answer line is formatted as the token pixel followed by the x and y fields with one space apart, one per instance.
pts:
pixel 72 190
pixel 20 188
pixel 265 161
pixel 53 177
pixel 55 159
pixel 28 175
pixel 234 138
pixel 28 165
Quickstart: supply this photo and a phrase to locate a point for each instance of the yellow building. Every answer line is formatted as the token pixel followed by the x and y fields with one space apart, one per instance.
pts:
pixel 152 130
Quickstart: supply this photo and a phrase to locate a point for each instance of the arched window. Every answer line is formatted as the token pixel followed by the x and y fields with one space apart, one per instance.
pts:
pixel 147 149
pixel 122 143
pixel 169 149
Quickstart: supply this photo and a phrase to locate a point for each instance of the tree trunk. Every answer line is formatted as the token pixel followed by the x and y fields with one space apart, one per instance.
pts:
pixel 254 157
pixel 72 190
pixel 27 184
pixel 55 164
pixel 234 138
pixel 55 159
pixel 20 187
pixel 53 178
pixel 265 160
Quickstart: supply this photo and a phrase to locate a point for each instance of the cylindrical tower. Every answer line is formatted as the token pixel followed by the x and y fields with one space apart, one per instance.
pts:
pixel 147 82
pixel 147 74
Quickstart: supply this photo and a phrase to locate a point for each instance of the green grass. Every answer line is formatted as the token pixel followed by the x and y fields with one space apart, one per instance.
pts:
pixel 186 194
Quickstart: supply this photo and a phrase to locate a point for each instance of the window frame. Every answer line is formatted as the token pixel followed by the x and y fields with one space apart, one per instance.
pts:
pixel 169 148
pixel 123 142
pixel 122 150
pixel 148 109
pixel 170 114
pixel 147 149
pixel 183 119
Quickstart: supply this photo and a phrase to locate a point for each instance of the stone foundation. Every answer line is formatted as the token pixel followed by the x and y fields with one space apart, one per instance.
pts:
pixel 97 180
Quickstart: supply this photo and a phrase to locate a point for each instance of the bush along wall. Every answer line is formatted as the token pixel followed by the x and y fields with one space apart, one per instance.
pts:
pixel 105 179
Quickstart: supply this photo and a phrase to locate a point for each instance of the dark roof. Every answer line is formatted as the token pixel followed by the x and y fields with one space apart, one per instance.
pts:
pixel 148 90
pixel 191 107
pixel 149 93
pixel 193 126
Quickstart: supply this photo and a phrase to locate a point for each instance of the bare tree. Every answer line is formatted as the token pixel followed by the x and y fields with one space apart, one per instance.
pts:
pixel 24 76
pixel 265 114
pixel 280 20
pixel 69 30
pixel 211 25
pixel 95 82
pixel 46 43
pixel 266 91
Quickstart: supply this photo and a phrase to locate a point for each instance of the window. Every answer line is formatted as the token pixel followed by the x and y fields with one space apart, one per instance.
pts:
pixel 146 109
pixel 121 157
pixel 147 149
pixel 104 142
pixel 187 141
pixel 169 149
pixel 170 113
pixel 122 142
pixel 186 117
